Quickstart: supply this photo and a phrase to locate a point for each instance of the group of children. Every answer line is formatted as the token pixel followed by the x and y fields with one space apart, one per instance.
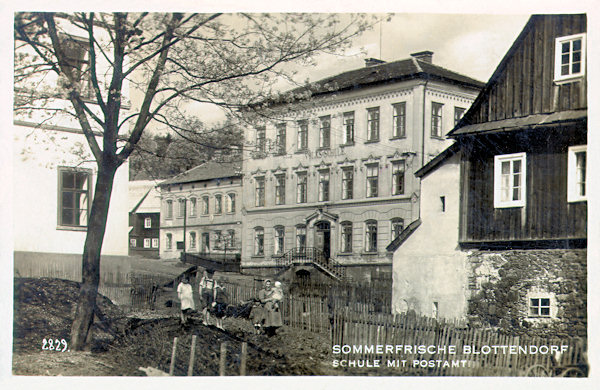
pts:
pixel 212 297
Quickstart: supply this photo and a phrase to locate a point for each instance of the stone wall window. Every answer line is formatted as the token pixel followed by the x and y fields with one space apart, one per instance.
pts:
pixel 399 120
pixel 373 124
pixel 349 128
pixel 539 307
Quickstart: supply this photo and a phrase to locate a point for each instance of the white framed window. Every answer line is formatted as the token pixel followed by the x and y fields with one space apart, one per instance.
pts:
pixel 193 208
pixel 169 209
pixel 372 180
pixel 192 240
pixel 324 185
pixel 259 193
pixel 205 202
pixel 398 168
pixel 458 114
pixel 371 236
pixel 349 128
pixel 148 223
pixel 509 180
pixel 279 240
pixel 577 174
pixel 218 204
pixel 230 202
pixel 280 189
pixel 325 132
pixel 181 208
pixel 147 242
pixel 399 120
pixel 569 57
pixel 347 182
pixel 132 242
pixel 539 307
pixel 302 135
pixel 346 237
pixel 155 243
pixel 373 124
pixel 301 189
pixel 259 241
pixel 436 119
pixel 73 196
pixel 301 237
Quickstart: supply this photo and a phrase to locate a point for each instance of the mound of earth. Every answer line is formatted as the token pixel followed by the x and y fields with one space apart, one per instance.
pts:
pixel 45 308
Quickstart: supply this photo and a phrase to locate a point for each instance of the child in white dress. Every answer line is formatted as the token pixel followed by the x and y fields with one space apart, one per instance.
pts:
pixel 186 297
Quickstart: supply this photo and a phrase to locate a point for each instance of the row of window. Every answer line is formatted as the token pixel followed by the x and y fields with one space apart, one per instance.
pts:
pixel 147 243
pixel 348 128
pixel 221 240
pixel 324 183
pixel 510 177
pixel 346 237
pixel 205 205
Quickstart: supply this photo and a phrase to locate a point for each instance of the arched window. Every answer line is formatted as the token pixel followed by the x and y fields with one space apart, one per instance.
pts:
pixel 371 236
pixel 259 241
pixel 192 240
pixel 169 213
pixel 346 237
pixel 181 207
pixel 205 205
pixel 169 239
pixel 279 240
pixel 218 204
pixel 231 202
pixel 193 207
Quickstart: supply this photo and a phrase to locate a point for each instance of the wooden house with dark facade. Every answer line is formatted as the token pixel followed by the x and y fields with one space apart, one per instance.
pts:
pixel 514 255
pixel 523 143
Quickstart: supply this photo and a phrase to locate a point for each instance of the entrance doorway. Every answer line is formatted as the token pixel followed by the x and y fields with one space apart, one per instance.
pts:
pixel 323 237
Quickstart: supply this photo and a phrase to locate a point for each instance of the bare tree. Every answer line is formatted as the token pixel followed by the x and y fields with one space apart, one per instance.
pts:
pixel 174 61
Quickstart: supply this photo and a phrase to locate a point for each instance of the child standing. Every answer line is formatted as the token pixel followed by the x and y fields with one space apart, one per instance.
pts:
pixel 186 297
pixel 207 287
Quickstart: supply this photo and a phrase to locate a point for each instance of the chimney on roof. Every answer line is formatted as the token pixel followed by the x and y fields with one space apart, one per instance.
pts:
pixel 373 62
pixel 426 56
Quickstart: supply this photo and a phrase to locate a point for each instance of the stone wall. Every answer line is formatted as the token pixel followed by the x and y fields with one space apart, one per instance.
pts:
pixel 502 283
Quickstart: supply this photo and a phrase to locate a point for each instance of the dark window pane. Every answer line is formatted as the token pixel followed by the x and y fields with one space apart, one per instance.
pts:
pixel 67 217
pixel 566 47
pixel 545 302
pixel 68 199
pixel 68 180
pixel 81 180
pixel 577 56
pixel 576 68
pixel 577 45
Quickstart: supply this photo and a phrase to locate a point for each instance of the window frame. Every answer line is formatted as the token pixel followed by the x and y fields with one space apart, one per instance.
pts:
pixel 371 236
pixel 347 183
pixel 373 124
pixel 62 224
pixel 205 243
pixel 459 112
pixel 181 202
pixel 348 124
pixel 301 232
pixel 259 191
pixel 218 204
pixel 324 185
pixel 302 141
pixel 280 189
pixel 278 240
pixel 397 176
pixel 573 189
pixel 261 139
pixel 193 206
pixel 302 187
pixel 437 120
pixel 169 211
pixel 539 307
pixel 399 120
pixel 558 77
pixel 192 240
pixel 230 209
pixel 498 160
pixel 259 250
pixel 205 205
pixel 372 190
pixel 155 242
pixel 132 243
pixel 147 223
pixel 325 132
pixel 346 237
pixel 169 244
pixel 280 138
pixel 394 222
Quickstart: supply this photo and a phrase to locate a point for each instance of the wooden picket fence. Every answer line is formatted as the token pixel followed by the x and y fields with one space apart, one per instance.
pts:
pixel 474 354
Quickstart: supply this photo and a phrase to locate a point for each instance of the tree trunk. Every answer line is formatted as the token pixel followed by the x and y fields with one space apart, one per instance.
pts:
pixel 81 332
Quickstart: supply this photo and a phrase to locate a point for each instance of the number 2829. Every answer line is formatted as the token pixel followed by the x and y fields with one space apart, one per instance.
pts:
pixel 54 345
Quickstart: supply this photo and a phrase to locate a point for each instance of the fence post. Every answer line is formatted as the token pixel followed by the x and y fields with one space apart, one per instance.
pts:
pixel 243 358
pixel 172 367
pixel 192 356
pixel 223 358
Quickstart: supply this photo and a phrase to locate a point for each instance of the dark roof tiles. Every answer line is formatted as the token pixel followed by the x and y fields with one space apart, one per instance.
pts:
pixel 207 171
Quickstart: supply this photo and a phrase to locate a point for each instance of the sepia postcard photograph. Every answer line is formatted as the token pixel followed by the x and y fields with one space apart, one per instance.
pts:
pixel 347 193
